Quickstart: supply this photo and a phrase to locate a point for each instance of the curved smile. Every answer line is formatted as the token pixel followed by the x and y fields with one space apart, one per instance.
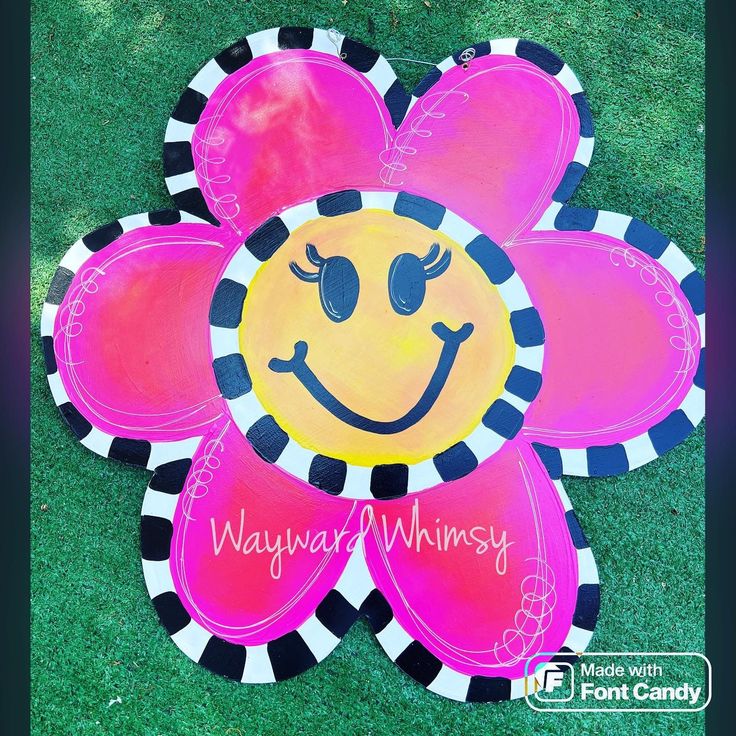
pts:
pixel 297 365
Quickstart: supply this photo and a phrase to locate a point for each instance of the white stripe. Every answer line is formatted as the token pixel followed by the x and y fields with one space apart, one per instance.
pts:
pixel 246 410
pixel 505 46
pixel 459 230
pixel 587 569
pixel 393 639
pixel 515 401
pixel 320 640
pixel 566 77
pixel 639 450
pixel 574 462
pixel 76 256
pixel 159 504
pixel 547 220
pixel 177 131
pixel 98 442
pixel 133 222
pixel 321 42
pixel 381 76
pixel 562 493
pixel 48 317
pixel 578 639
pixel 158 577
pixel 296 216
pixel 450 683
pixel 192 640
pixel 242 266
pixel 694 405
pixel 296 460
pixel 422 475
pixel 357 482
pixel 612 224
pixel 258 665
pixel 208 78
pixel 483 442
pixel 514 293
pixel 676 262
pixel 379 200
pixel 189 217
pixel 445 64
pixel 531 357
pixel 264 42
pixel 181 182
pixel 57 389
pixel 164 452
pixel 584 151
pixel 224 341
pixel 701 325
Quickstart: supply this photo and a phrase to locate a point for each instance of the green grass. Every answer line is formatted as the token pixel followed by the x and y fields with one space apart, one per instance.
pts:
pixel 105 76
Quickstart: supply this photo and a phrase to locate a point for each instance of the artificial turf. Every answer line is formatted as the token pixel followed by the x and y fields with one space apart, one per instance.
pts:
pixel 105 76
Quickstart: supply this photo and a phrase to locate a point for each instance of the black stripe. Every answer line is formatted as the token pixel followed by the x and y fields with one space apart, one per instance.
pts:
pixel 224 658
pixel 131 452
pixel 290 656
pixel 156 536
pixel 328 474
pixel 227 304
pixel 339 203
pixel 171 611
pixel 192 201
pixel 488 689
pixel 178 158
pixel 569 182
pixel 607 460
pixel 358 56
pixel 267 239
pixel 49 354
pixel 267 438
pixel 103 236
pixel 418 662
pixel 164 217
pixel 294 37
pixel 551 459
pixel 235 57
pixel 427 82
pixel 190 106
pixel 170 477
pixel 566 655
pixel 377 610
pixel 336 614
pixel 421 209
pixel 587 606
pixel 586 119
pixel 77 423
pixel 576 531
pixel 576 218
pixel 455 462
pixel 397 101
pixel 389 481
pixel 699 377
pixel 59 285
pixel 539 55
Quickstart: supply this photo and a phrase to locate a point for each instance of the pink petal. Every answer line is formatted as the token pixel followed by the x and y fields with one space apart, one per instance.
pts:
pixel 508 589
pixel 252 556
pixel 284 128
pixel 127 346
pixel 622 369
pixel 494 142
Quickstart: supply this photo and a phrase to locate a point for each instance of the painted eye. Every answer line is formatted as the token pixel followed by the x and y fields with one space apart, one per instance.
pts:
pixel 408 276
pixel 338 283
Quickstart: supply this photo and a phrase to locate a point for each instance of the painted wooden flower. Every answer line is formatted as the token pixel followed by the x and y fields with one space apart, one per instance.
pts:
pixel 363 351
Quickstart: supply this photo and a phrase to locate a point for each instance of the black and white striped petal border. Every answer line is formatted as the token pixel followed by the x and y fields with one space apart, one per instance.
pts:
pixel 131 451
pixel 550 64
pixel 502 420
pixel 423 666
pixel 279 659
pixel 181 179
pixel 604 460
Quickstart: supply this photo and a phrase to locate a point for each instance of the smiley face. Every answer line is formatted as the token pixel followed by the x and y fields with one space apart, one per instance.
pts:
pixel 374 338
